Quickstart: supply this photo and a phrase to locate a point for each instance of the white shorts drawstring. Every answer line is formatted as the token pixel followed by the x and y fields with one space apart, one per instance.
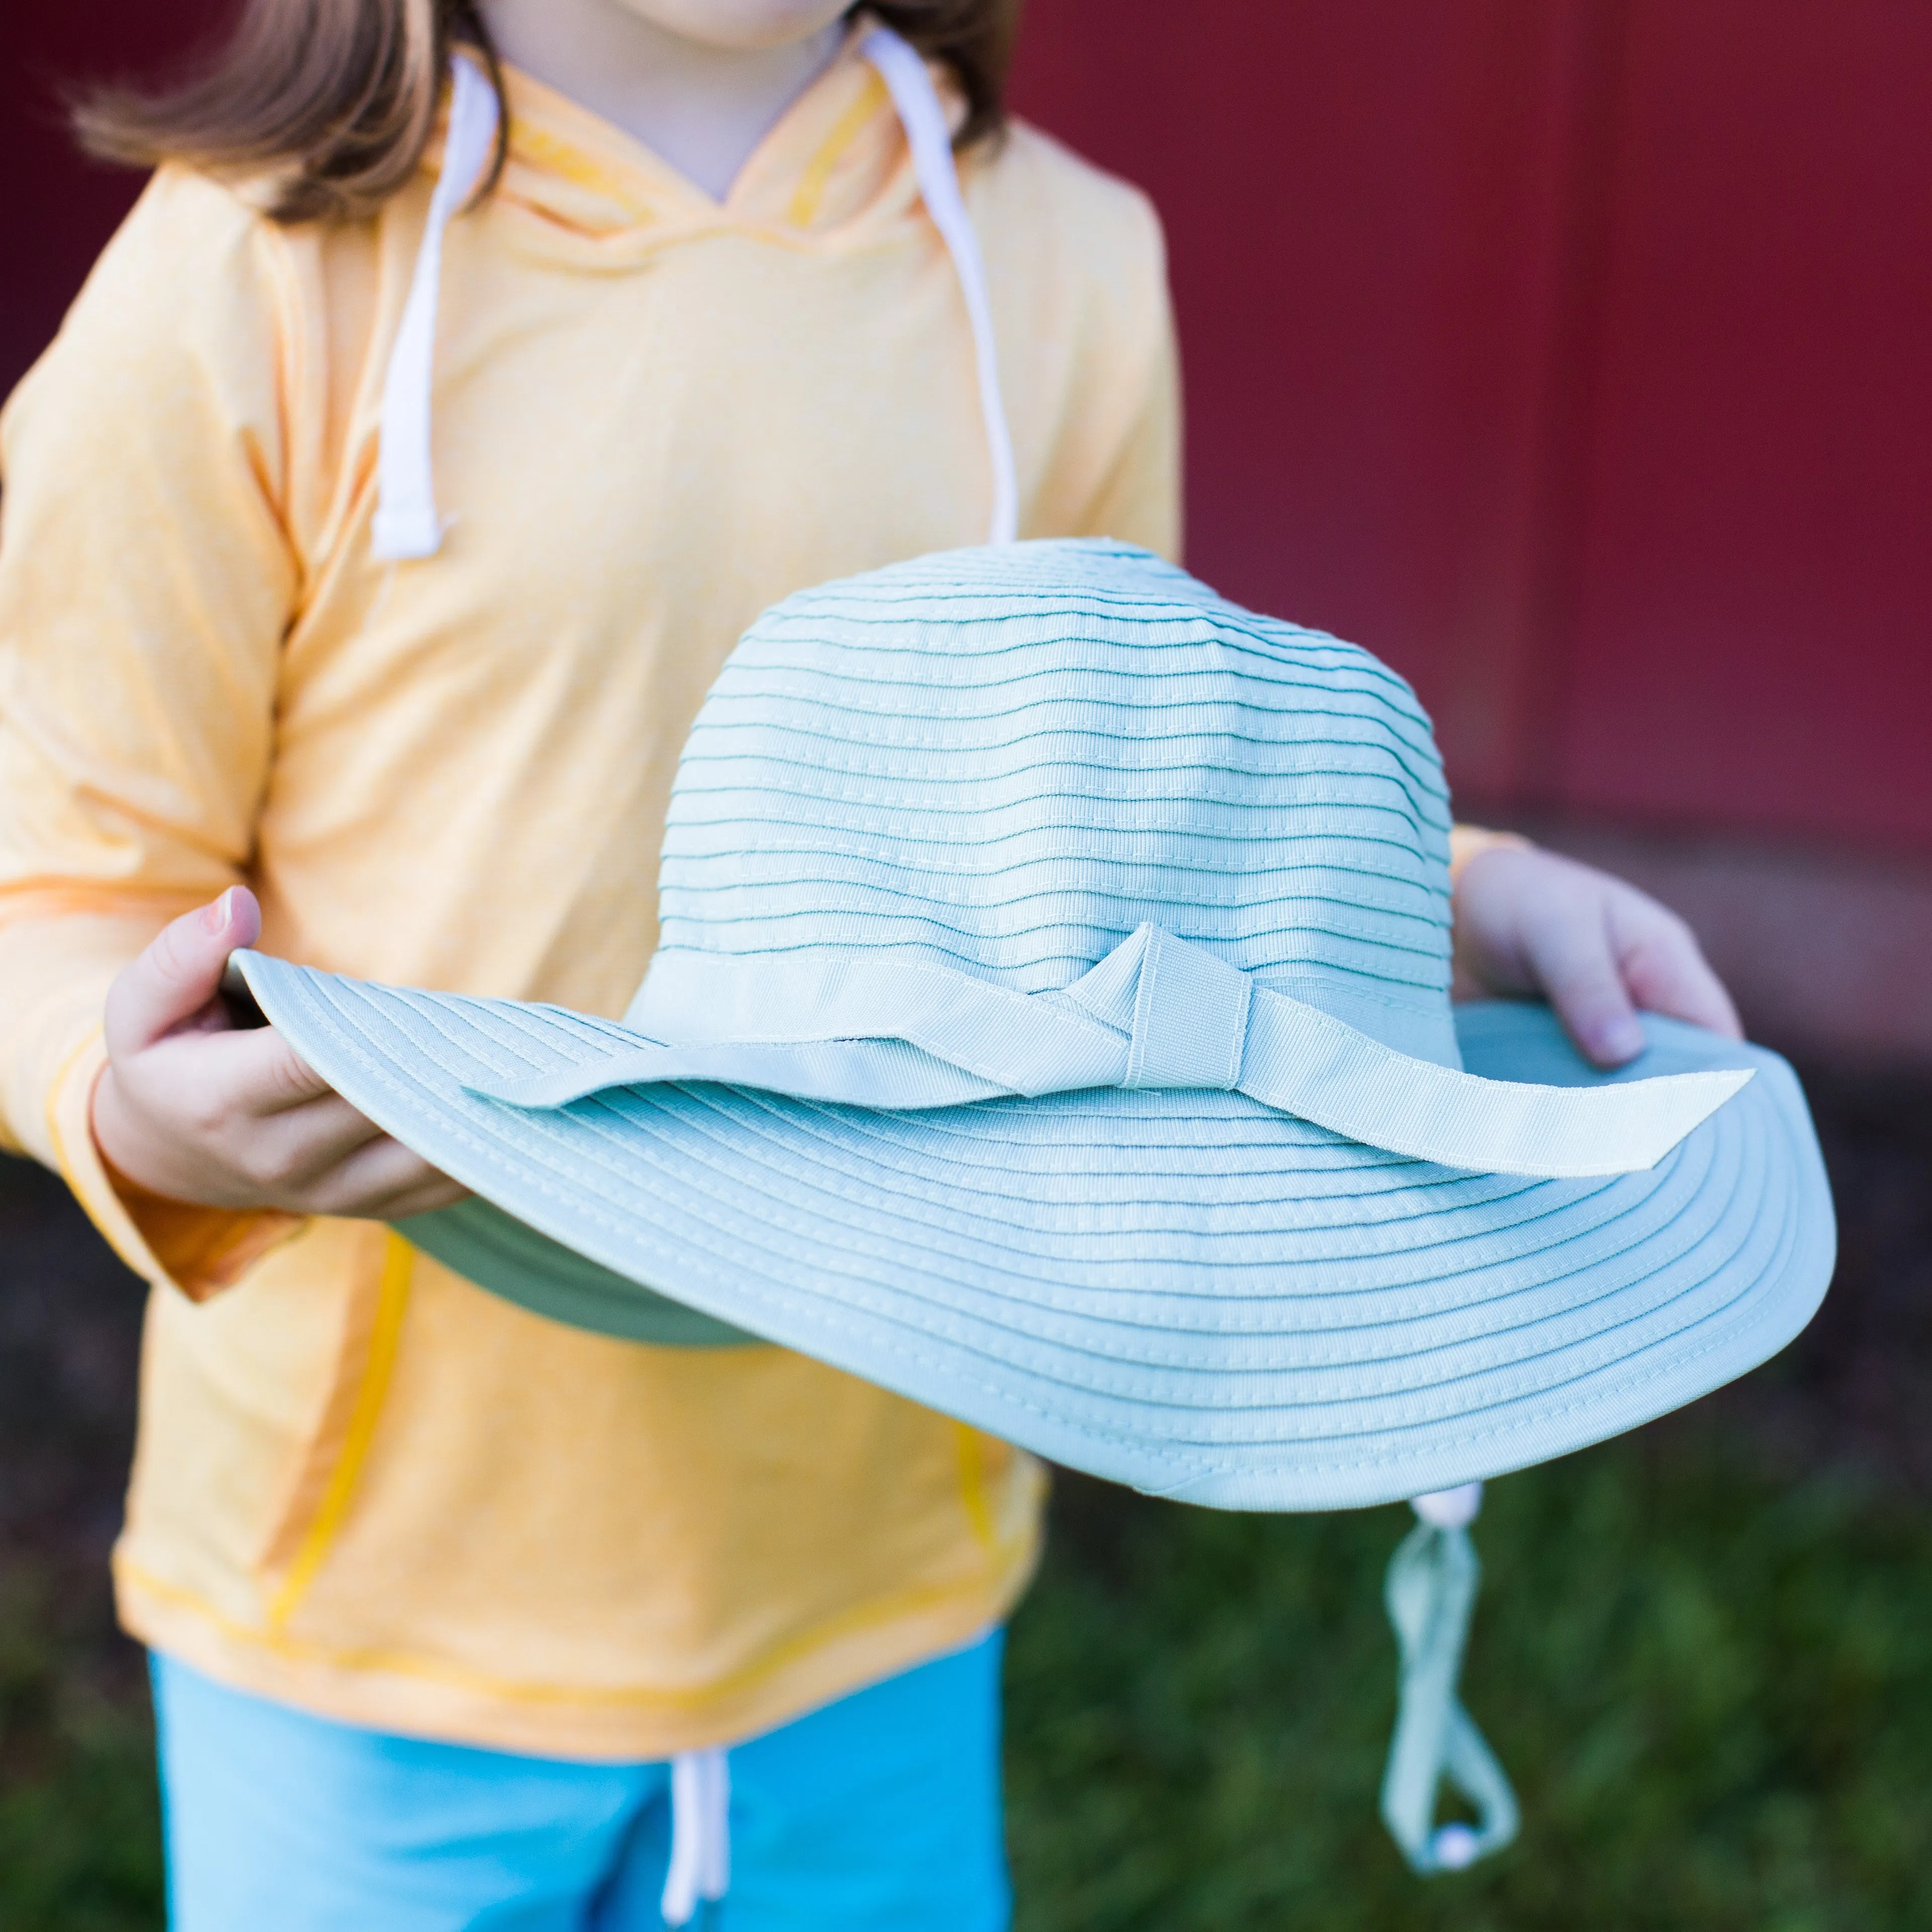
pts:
pixel 700 1833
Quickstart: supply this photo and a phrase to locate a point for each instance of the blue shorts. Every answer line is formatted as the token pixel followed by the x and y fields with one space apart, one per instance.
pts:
pixel 880 1811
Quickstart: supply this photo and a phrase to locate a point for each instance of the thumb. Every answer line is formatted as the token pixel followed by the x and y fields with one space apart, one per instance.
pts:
pixel 180 973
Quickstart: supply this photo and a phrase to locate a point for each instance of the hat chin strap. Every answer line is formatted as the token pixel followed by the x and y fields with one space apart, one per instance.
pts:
pixel 1430 1591
pixel 407 524
pixel 872 1028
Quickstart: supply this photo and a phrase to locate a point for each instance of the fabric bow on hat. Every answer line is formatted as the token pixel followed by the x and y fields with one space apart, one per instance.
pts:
pixel 1156 1012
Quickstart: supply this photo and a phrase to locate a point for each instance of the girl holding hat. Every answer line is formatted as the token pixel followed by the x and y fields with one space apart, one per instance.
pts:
pixel 467 378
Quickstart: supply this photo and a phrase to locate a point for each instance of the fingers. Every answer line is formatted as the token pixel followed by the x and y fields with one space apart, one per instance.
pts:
pixel 231 1087
pixel 322 1157
pixel 179 975
pixel 436 1190
pixel 191 1107
pixel 1664 967
pixel 383 1180
pixel 357 1170
pixel 295 1142
pixel 292 1153
pixel 200 1150
pixel 264 1074
pixel 1597 949
pixel 1571 957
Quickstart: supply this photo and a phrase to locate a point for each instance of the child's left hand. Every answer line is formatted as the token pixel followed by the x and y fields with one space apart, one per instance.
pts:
pixel 1528 921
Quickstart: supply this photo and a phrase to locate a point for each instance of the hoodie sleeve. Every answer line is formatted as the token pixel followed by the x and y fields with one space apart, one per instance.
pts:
pixel 146 585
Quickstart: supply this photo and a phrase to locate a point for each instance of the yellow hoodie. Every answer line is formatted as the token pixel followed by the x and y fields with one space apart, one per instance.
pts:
pixel 362 1485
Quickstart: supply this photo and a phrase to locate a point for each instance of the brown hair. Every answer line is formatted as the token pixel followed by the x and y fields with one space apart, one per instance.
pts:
pixel 340 97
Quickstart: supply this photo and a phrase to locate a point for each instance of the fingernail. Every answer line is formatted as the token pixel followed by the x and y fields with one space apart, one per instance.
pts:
pixel 1620 1039
pixel 214 918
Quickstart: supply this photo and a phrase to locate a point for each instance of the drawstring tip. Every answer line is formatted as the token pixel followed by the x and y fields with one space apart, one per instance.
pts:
pixel 700 1872
pixel 403 539
pixel 1450 1509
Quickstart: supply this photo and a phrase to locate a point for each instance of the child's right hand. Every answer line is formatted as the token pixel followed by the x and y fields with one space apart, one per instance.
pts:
pixel 194 1108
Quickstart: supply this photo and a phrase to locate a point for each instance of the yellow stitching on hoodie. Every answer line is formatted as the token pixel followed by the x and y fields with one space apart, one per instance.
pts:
pixel 923 1599
pixel 973 1487
pixel 557 156
pixel 810 189
pixel 392 1298
pixel 110 1214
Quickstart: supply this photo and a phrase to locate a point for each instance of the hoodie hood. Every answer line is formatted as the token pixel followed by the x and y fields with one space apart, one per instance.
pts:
pixel 834 162
pixel 828 164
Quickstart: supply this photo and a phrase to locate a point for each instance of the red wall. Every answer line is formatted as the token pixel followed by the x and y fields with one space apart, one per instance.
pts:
pixel 1572 354
pixel 57 210
pixel 1753 595
pixel 1576 356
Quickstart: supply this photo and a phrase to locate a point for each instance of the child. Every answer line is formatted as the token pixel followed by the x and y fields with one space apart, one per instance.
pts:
pixel 378 559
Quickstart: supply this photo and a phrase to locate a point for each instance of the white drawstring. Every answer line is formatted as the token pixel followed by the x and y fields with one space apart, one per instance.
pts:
pixel 406 524
pixel 930 141
pixel 700 1833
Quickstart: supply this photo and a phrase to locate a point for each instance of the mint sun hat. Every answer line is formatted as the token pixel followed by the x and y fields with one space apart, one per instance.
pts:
pixel 1051 1024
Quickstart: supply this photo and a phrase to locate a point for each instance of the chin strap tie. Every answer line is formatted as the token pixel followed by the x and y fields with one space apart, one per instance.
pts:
pixel 1430 1590
pixel 700 1833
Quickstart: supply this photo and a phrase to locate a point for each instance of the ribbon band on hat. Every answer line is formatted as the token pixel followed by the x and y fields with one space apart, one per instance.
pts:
pixel 861 1028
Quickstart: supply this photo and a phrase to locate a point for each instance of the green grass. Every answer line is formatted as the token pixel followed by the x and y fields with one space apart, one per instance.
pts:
pixel 1714 1691
pixel 79 1823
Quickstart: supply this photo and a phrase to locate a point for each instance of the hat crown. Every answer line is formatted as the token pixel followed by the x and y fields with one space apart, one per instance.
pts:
pixel 1007 760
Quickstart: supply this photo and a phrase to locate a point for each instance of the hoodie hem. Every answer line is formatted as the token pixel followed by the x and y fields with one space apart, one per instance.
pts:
pixel 399 1692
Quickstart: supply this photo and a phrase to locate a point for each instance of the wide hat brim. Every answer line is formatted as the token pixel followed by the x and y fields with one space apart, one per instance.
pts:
pixel 1184 1291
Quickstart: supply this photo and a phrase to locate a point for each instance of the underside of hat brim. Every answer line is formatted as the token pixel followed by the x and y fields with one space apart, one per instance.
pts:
pixel 1184 1291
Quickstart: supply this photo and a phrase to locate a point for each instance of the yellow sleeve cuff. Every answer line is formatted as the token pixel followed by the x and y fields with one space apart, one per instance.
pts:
pixel 197 1250
pixel 1471 841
